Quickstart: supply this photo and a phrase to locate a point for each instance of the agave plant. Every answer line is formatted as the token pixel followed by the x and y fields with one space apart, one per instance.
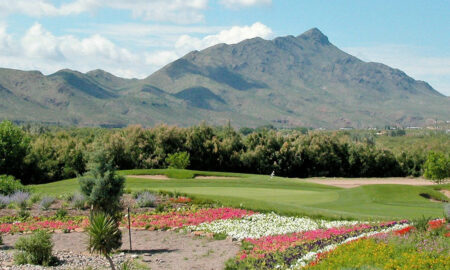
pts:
pixel 104 235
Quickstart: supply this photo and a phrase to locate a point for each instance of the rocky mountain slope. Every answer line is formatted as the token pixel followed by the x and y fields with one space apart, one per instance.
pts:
pixel 288 81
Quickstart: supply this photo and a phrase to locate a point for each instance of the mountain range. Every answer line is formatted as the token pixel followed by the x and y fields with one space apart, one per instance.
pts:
pixel 288 81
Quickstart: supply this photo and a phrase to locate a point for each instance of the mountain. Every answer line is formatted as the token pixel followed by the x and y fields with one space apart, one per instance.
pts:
pixel 288 81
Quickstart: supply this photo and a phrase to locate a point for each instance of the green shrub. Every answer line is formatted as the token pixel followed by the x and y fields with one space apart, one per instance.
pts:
pixel 437 167
pixel 35 197
pixel 78 201
pixel 61 213
pixel 104 235
pixel 23 214
pixel 14 146
pixel 9 185
pixel 46 202
pixel 101 186
pixel 146 199
pixel 34 249
pixel 178 160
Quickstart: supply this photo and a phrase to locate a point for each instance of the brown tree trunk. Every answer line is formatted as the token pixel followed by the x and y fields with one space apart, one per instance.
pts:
pixel 111 263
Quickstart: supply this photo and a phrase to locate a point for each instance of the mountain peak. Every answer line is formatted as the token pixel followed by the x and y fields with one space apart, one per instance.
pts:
pixel 315 35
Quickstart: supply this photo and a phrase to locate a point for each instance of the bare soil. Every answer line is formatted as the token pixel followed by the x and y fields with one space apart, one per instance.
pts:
pixel 156 176
pixel 158 249
pixel 356 182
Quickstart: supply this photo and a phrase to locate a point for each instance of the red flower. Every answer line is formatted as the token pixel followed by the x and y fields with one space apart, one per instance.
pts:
pixel 404 230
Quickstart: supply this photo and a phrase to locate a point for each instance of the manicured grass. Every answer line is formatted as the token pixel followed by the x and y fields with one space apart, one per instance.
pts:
pixel 285 196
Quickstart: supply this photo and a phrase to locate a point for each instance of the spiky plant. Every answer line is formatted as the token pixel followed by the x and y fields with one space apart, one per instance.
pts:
pixel 104 235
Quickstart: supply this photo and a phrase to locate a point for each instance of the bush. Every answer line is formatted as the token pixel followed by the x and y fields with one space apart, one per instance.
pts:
pixel 9 185
pixel 104 235
pixel 35 249
pixel 20 198
pixel 447 212
pixel 437 167
pixel 46 202
pixel 146 199
pixel 78 201
pixel 35 197
pixel 178 160
pixel 101 186
pixel 14 146
pixel 4 201
pixel 61 213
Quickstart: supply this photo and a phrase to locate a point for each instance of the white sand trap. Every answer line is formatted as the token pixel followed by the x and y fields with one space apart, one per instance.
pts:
pixel 155 177
pixel 216 177
pixel 351 183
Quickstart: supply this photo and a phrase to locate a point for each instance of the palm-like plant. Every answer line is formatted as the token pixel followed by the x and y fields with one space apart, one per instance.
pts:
pixel 104 235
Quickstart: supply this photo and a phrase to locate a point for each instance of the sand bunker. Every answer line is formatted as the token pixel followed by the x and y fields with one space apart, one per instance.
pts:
pixel 155 177
pixel 351 183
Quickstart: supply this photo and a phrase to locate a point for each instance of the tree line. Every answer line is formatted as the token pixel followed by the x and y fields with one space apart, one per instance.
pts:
pixel 45 156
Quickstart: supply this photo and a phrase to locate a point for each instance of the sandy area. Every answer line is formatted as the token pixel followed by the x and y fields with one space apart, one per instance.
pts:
pixel 215 177
pixel 156 176
pixel 351 183
pixel 159 249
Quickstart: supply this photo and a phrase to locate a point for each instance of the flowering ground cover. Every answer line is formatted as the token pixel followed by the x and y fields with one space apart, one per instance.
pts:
pixel 37 223
pixel 258 225
pixel 188 217
pixel 408 248
pixel 295 250
pixel 172 219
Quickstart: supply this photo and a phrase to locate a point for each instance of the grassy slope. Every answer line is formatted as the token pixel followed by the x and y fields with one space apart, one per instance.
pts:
pixel 283 195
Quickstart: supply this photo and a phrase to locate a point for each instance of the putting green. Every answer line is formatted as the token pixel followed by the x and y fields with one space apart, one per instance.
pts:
pixel 285 196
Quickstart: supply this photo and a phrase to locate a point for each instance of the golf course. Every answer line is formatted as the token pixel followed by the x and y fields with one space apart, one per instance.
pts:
pixel 289 196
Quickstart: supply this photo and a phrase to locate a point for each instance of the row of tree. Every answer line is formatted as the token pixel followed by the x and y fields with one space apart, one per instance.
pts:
pixel 50 156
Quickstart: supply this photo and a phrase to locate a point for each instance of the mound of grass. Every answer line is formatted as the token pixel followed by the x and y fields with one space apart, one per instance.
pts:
pixel 284 195
pixel 178 173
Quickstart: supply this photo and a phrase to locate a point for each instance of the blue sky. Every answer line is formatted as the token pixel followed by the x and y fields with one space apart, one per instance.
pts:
pixel 133 38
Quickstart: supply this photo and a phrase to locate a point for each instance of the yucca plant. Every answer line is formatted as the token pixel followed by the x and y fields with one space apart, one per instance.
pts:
pixel 104 235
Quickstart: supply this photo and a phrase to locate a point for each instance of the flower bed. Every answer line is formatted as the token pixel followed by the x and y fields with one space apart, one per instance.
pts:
pixel 297 249
pixel 178 219
pixel 259 225
pixel 379 255
pixel 40 224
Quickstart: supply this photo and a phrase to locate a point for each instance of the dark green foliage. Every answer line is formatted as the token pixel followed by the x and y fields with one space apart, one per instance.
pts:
pixel 104 235
pixel 101 185
pixel 14 146
pixel 61 213
pixel 178 160
pixel 9 185
pixel 64 153
pixel 35 249
pixel 437 167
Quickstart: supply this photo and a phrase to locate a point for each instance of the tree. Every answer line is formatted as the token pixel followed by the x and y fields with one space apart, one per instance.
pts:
pixel 14 146
pixel 104 235
pixel 102 186
pixel 437 167
pixel 178 160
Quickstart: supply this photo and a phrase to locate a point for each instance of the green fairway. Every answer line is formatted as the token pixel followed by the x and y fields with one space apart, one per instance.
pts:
pixel 284 195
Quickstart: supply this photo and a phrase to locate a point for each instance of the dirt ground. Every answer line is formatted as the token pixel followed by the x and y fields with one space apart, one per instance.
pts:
pixel 351 183
pixel 158 249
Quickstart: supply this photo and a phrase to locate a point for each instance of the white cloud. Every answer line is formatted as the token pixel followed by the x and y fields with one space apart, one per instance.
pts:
pixel 160 58
pixel 6 41
pixel 233 35
pixel 412 60
pixel 178 11
pixel 233 4
pixel 39 49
